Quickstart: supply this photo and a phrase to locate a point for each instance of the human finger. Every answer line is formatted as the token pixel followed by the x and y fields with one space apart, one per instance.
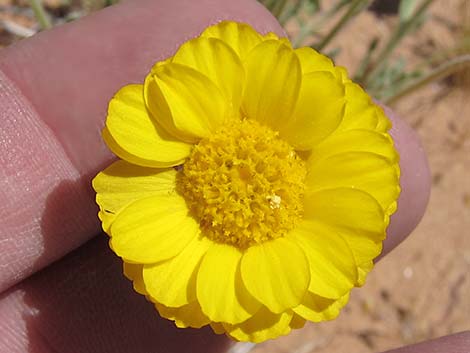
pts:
pixel 457 343
pixel 55 88
pixel 415 182
pixel 83 304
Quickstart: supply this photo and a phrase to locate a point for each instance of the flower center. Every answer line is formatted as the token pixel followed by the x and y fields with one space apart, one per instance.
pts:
pixel 243 184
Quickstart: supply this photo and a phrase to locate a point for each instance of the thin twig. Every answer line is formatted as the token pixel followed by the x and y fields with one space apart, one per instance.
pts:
pixel 279 8
pixel 401 30
pixel 311 27
pixel 365 62
pixel 291 9
pixel 40 14
pixel 342 21
pixel 440 72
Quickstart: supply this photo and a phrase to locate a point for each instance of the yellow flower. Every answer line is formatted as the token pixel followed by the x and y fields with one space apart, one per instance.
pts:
pixel 255 186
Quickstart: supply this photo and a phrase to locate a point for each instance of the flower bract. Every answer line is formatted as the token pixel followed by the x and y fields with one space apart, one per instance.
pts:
pixel 254 187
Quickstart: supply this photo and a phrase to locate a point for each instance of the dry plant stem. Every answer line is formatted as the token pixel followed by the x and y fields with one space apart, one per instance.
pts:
pixel 96 5
pixel 92 5
pixel 291 9
pixel 279 8
pixel 440 72
pixel 40 14
pixel 401 30
pixel 312 27
pixel 17 29
pixel 365 62
pixel 441 55
pixel 305 31
pixel 355 5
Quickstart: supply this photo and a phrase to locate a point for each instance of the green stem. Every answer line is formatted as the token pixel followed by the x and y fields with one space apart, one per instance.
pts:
pixel 339 25
pixel 290 10
pixel 304 32
pixel 277 10
pixel 438 73
pixel 40 14
pixel 311 27
pixel 444 54
pixel 366 60
pixel 399 33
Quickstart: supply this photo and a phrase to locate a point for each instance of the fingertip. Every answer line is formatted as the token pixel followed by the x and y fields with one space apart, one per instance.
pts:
pixel 415 182
pixel 456 343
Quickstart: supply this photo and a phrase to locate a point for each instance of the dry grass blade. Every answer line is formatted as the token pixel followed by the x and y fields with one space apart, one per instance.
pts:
pixel 446 69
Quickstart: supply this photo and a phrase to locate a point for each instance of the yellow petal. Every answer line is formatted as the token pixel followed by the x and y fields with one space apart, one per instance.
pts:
pixel 364 248
pixel 363 234
pixel 156 66
pixel 272 83
pixel 267 271
pixel 216 60
pixel 311 60
pixel 123 183
pixel 315 308
pixel 383 122
pixel 239 36
pixel 364 171
pixel 264 325
pixel 134 273
pixel 106 219
pixel 353 215
pixel 185 102
pixel 132 130
pixel 356 141
pixel 118 151
pixel 363 270
pixel 217 327
pixel 297 322
pixel 341 73
pixel 318 113
pixel 173 282
pixel 189 315
pixel 153 229
pixel 332 266
pixel 360 112
pixel 274 36
pixel 220 291
pixel 345 208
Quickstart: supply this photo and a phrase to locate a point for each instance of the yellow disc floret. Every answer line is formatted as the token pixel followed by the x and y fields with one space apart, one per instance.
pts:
pixel 243 184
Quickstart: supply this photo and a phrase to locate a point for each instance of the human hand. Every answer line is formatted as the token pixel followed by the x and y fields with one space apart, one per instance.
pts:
pixel 53 100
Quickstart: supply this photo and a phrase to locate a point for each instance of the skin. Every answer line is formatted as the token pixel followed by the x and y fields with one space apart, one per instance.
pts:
pixel 62 288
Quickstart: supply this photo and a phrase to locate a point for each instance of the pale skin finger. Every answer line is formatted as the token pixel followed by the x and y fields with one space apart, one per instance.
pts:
pixel 415 183
pixel 83 304
pixel 53 100
pixel 457 343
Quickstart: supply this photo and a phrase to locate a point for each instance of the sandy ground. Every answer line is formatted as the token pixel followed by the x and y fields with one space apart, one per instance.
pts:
pixel 422 289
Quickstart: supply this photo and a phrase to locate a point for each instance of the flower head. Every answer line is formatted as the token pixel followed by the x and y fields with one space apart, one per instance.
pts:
pixel 255 186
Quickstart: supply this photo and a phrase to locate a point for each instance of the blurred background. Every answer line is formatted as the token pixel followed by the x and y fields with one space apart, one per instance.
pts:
pixel 414 55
